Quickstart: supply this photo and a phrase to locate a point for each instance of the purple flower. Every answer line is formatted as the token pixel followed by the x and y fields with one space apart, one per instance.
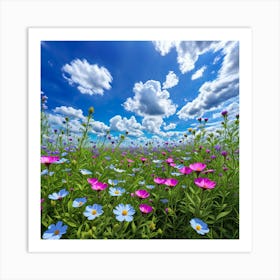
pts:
pixel 224 113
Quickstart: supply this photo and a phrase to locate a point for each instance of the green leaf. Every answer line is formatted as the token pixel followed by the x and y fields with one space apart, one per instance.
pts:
pixel 133 226
pixel 190 199
pixel 222 214
pixel 71 224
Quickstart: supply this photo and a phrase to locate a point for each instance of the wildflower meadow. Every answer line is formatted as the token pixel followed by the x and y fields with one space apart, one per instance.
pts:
pixel 139 139
pixel 178 190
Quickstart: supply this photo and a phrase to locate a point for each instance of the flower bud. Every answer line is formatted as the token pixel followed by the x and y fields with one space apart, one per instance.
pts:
pixel 91 110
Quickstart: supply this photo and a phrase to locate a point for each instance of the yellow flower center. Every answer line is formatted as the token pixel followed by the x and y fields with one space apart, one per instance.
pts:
pixel 124 212
pixel 198 227
pixel 56 232
pixel 117 192
pixel 93 212
pixel 80 203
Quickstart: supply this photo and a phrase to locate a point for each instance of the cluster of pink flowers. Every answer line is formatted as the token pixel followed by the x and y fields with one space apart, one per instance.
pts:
pixel 170 182
pixel 96 185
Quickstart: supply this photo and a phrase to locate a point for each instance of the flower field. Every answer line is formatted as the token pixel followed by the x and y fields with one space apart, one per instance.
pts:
pixel 188 189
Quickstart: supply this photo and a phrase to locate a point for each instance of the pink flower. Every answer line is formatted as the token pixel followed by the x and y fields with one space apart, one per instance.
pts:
pixel 185 170
pixel 142 194
pixel 172 164
pixel 96 185
pixel 169 160
pixel 145 208
pixel 143 159
pixel 99 186
pixel 129 160
pixel 198 166
pixel 92 180
pixel 171 182
pixel 159 180
pixel 205 183
pixel 47 160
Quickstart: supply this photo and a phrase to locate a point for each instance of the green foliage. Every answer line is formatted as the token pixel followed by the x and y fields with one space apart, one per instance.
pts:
pixel 218 207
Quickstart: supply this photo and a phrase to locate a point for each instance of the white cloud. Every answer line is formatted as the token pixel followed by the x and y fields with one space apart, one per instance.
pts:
pixel 214 93
pixel 117 123
pixel 232 108
pixel 89 78
pixel 198 73
pixel 69 112
pixel 188 52
pixel 163 47
pixel 99 127
pixel 150 100
pixel 58 122
pixel 171 80
pixel 152 124
pixel 170 126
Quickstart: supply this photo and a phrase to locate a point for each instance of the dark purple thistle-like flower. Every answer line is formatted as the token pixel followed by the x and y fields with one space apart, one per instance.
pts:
pixel 224 153
pixel 224 113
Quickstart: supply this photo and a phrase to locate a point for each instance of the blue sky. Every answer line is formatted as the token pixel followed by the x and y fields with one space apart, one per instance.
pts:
pixel 150 89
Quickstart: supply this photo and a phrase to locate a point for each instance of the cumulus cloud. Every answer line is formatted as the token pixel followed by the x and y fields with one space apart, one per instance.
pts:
pixel 89 78
pixel 163 47
pixel 117 123
pixel 150 100
pixel 99 127
pixel 170 126
pixel 188 52
pixel 57 121
pixel 232 108
pixel 198 73
pixel 214 93
pixel 152 124
pixel 69 112
pixel 171 80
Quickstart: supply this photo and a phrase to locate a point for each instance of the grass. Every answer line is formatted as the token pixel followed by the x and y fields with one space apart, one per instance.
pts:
pixel 172 207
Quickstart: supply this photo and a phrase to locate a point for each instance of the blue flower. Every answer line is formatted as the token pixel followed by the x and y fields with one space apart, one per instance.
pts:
pixel 62 160
pixel 78 202
pixel 55 231
pixel 119 170
pixel 64 154
pixel 164 200
pixel 179 166
pixel 150 187
pixel 59 195
pixel 93 211
pixel 85 172
pixel 116 191
pixel 199 226
pixel 113 182
pixel 124 212
pixel 46 172
pixel 176 174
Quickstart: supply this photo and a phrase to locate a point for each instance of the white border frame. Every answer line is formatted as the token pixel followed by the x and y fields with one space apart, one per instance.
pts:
pixel 262 16
pixel 243 35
